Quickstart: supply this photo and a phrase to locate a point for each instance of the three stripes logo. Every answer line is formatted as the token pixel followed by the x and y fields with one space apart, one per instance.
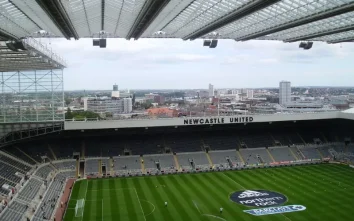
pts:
pixel 250 193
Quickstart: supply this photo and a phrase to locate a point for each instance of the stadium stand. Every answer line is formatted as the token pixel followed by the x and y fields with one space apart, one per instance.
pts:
pixel 221 141
pixel 50 198
pixel 15 152
pixel 2 182
pixel 126 163
pixel 220 157
pixel 15 163
pixel 44 171
pixel 281 153
pixel 65 165
pixel 91 166
pixel 159 162
pixel 255 155
pixel 30 190
pixel 183 143
pixel 14 212
pixel 257 140
pixel 310 152
pixel 199 160
pixel 281 137
pixel 8 172
pixel 294 138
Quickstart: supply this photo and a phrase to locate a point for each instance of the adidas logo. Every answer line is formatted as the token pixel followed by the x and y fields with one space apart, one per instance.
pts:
pixel 250 193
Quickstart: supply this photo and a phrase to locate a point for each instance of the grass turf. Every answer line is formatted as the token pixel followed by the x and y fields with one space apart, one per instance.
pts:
pixel 326 190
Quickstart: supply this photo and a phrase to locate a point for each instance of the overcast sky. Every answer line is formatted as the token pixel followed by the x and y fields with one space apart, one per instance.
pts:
pixel 177 64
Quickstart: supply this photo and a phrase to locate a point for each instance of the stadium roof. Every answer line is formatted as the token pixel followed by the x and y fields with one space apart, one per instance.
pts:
pixel 331 21
pixel 27 54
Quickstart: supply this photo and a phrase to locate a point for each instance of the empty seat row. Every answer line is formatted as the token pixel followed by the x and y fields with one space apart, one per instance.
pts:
pixel 30 190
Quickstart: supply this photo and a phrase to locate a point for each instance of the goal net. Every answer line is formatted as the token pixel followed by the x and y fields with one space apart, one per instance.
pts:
pixel 79 208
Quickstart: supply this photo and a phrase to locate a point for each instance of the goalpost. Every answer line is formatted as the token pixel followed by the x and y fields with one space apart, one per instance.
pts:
pixel 79 208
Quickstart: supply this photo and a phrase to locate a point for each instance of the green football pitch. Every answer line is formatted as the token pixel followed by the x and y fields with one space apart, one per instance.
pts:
pixel 326 190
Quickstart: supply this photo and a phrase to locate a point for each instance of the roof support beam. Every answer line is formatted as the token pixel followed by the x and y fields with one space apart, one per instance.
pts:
pixel 5 35
pixel 350 39
pixel 312 18
pixel 146 16
pixel 102 14
pixel 56 12
pixel 322 33
pixel 244 11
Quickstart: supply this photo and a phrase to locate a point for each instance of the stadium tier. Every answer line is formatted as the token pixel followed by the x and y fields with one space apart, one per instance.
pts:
pixel 35 173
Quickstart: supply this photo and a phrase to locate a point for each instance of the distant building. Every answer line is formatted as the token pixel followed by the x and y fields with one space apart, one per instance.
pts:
pixel 284 92
pixel 108 105
pixel 211 90
pixel 250 94
pixel 162 112
pixel 115 92
pixel 156 98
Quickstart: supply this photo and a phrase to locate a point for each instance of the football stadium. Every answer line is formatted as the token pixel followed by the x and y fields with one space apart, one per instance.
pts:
pixel 241 166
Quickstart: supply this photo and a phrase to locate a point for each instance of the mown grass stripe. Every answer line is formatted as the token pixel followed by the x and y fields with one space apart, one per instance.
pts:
pixel 315 186
pixel 134 197
pixel 158 199
pixel 132 212
pixel 173 201
pixel 114 205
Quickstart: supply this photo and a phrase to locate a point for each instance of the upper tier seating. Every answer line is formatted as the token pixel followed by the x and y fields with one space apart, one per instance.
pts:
pixel 12 150
pixel 222 141
pixel 14 163
pixel 65 165
pixel 183 143
pixel 8 172
pixel 257 140
pixel 44 171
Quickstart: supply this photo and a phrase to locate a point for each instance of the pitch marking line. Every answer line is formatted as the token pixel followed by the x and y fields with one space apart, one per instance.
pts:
pixel 216 217
pixel 233 180
pixel 113 189
pixel 102 209
pixel 140 204
pixel 196 206
pixel 204 214
pixel 286 217
pixel 83 209
pixel 150 204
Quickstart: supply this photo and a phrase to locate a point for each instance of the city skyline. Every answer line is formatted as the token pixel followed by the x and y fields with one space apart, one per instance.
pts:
pixel 172 63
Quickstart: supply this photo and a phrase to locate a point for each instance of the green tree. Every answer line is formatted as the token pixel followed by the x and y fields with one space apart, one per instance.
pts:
pixel 68 114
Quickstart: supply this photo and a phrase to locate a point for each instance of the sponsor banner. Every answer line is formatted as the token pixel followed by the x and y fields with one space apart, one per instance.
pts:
pixel 352 166
pixel 275 210
pixel 300 161
pixel 274 163
pixel 218 120
pixel 258 198
pixel 284 162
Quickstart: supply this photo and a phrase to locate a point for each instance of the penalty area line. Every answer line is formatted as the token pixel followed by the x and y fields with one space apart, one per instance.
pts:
pixel 150 204
pixel 233 180
pixel 141 207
